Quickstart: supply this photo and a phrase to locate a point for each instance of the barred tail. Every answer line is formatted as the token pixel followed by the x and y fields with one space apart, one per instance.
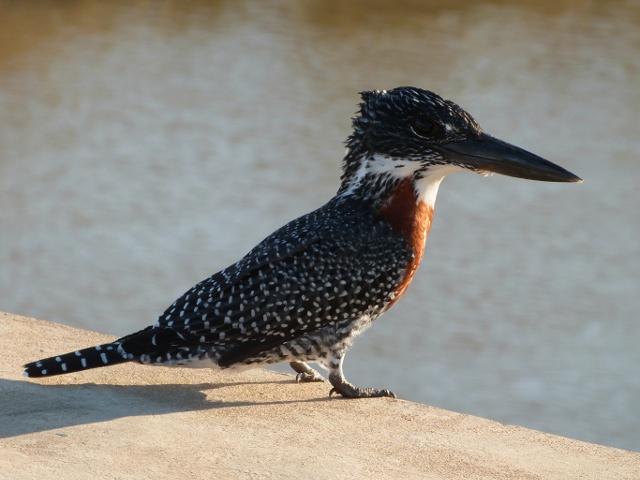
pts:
pixel 92 357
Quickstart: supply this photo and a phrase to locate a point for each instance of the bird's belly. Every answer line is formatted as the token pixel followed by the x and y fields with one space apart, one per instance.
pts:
pixel 314 346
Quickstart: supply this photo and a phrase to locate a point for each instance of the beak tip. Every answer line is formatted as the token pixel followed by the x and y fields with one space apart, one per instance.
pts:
pixel 575 179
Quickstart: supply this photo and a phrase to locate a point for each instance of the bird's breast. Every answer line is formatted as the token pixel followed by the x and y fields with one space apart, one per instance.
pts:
pixel 411 218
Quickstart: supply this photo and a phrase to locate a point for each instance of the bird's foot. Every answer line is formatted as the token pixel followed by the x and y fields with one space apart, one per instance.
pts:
pixel 309 377
pixel 351 391
pixel 306 373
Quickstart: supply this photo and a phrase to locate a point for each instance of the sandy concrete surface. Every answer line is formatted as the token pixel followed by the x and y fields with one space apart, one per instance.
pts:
pixel 132 421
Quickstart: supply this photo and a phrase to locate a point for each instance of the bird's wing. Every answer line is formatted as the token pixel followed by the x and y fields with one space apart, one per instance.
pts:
pixel 317 271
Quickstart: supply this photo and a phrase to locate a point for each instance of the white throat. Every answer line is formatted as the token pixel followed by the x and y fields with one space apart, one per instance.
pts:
pixel 400 169
pixel 381 164
pixel 427 186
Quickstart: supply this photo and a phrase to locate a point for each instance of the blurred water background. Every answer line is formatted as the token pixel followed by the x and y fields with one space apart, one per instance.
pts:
pixel 144 145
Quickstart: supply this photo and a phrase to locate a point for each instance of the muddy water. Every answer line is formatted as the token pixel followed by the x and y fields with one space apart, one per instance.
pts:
pixel 145 145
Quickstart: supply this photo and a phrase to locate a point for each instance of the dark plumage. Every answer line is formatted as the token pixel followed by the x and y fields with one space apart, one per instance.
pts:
pixel 303 293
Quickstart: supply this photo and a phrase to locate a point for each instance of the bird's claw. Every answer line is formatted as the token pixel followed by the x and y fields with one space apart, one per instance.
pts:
pixel 351 391
pixel 304 377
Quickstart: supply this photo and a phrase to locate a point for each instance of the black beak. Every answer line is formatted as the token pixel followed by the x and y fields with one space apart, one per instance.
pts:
pixel 493 155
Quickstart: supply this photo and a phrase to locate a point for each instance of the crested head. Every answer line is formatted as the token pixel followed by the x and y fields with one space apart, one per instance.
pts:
pixel 404 121
pixel 411 133
pixel 396 135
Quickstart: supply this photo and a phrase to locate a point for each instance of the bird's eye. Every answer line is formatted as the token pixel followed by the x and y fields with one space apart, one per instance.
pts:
pixel 425 127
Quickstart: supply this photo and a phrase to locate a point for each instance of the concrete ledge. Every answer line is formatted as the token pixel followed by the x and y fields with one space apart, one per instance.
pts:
pixel 131 421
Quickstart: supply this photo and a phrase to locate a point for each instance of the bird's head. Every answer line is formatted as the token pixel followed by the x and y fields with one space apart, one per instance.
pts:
pixel 410 132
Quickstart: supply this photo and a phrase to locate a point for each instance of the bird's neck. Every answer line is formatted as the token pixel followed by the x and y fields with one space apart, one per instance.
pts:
pixel 401 193
pixel 373 178
pixel 410 217
pixel 377 179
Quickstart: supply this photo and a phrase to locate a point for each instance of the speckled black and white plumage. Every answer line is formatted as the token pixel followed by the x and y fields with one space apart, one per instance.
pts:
pixel 303 293
pixel 301 290
pixel 300 295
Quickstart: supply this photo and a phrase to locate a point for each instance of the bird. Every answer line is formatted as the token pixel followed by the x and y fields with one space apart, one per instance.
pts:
pixel 306 291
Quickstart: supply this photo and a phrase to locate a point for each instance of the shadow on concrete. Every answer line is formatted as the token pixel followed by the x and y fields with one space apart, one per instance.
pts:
pixel 28 407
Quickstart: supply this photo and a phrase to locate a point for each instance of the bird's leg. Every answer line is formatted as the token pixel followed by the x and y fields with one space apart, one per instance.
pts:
pixel 306 373
pixel 346 389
